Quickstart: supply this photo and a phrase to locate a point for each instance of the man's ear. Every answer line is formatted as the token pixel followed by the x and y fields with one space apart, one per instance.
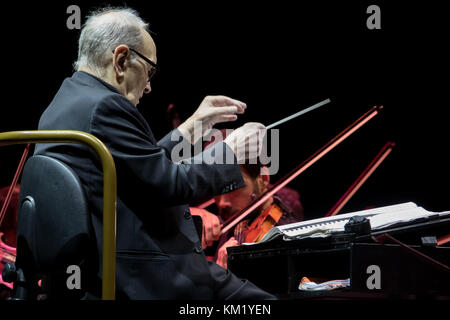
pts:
pixel 119 60
pixel 264 178
pixel 265 174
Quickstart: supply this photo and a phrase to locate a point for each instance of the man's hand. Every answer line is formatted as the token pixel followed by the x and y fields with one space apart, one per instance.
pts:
pixel 211 226
pixel 222 254
pixel 212 110
pixel 246 141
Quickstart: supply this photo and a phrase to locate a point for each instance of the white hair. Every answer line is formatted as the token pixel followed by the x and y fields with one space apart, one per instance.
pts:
pixel 104 30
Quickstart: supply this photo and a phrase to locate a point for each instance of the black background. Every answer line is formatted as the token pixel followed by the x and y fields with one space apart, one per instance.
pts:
pixel 278 57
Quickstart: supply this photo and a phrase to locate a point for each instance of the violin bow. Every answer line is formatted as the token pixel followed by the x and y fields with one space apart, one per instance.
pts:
pixel 237 217
pixel 14 183
pixel 374 164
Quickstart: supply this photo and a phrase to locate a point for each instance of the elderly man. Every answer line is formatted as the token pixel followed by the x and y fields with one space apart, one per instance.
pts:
pixel 159 254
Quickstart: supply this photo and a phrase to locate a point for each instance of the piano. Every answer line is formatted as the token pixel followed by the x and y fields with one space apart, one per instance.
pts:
pixel 389 252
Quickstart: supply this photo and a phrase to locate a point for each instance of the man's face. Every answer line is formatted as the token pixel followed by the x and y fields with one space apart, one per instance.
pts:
pixel 237 200
pixel 135 81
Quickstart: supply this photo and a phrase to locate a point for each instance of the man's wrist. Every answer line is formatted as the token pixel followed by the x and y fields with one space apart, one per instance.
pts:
pixel 187 129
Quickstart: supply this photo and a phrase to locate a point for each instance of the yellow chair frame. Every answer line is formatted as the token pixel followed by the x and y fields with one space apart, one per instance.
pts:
pixel 109 190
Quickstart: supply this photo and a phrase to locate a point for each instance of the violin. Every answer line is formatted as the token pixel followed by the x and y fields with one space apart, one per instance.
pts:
pixel 253 232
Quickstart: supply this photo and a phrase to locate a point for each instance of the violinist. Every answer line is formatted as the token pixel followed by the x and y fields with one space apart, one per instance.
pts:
pixel 9 223
pixel 257 180
pixel 8 235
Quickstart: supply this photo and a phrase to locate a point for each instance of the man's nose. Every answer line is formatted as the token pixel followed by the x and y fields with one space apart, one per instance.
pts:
pixel 148 87
pixel 223 202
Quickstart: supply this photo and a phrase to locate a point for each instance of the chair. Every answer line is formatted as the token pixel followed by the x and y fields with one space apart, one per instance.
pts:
pixel 55 247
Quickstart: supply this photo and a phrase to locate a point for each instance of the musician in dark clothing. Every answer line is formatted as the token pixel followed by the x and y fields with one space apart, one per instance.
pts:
pixel 8 233
pixel 257 181
pixel 159 254
pixel 286 200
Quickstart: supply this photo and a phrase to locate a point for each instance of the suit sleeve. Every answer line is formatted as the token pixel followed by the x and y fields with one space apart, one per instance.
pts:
pixel 168 142
pixel 148 168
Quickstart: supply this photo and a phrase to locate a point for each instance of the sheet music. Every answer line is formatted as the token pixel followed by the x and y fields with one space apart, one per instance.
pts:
pixel 381 217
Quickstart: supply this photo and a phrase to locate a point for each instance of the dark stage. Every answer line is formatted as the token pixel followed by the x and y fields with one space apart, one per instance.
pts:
pixel 278 58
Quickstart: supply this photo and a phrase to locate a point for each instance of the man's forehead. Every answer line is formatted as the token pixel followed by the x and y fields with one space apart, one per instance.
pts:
pixel 149 45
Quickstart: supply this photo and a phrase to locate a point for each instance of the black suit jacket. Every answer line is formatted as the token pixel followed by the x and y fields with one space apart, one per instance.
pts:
pixel 159 254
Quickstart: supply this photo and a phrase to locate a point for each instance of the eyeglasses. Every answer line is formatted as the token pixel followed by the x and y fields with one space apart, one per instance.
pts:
pixel 153 70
